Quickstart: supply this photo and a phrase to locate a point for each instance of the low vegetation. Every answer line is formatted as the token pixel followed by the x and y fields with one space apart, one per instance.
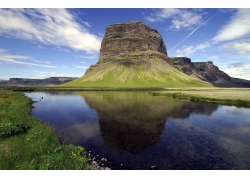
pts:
pixel 230 96
pixel 134 73
pixel 27 143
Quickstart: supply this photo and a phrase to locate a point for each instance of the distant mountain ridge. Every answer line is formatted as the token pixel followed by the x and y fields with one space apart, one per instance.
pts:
pixel 207 71
pixel 46 81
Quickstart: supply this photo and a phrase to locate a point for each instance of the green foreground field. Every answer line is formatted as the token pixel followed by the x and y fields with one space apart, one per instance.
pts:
pixel 26 143
pixel 230 96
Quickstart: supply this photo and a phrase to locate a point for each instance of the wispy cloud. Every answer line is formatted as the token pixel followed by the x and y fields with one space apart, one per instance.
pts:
pixel 192 32
pixel 241 46
pixel 216 57
pixel 236 64
pixel 43 75
pixel 237 27
pixel 46 62
pixel 88 57
pixel 240 70
pixel 189 50
pixel 82 67
pixel 10 58
pixel 49 26
pixel 181 18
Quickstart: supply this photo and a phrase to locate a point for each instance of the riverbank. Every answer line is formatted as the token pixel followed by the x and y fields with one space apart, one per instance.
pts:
pixel 58 88
pixel 26 143
pixel 227 96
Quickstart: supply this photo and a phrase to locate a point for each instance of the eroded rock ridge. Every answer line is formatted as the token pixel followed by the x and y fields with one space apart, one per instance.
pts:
pixel 131 40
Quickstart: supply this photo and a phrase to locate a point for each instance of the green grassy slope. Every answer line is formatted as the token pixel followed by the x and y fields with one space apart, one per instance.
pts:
pixel 136 73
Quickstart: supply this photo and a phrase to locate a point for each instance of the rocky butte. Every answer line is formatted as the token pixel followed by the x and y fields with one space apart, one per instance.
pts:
pixel 133 54
pixel 124 40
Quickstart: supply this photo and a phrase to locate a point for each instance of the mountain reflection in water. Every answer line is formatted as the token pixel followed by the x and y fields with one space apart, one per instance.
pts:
pixel 135 130
pixel 133 122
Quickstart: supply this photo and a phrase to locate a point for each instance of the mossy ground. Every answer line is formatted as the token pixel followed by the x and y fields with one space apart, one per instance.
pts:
pixel 27 143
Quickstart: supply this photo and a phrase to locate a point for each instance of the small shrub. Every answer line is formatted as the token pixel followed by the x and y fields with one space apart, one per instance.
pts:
pixel 10 129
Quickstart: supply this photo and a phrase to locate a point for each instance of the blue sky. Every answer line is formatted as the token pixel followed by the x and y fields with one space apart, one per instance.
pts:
pixel 41 43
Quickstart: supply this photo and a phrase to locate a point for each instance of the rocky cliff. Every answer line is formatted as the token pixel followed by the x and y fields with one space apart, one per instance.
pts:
pixel 125 40
pixel 207 71
pixel 47 81
pixel 133 54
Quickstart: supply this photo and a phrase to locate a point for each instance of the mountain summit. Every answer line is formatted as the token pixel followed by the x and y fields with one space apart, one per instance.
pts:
pixel 123 39
pixel 133 54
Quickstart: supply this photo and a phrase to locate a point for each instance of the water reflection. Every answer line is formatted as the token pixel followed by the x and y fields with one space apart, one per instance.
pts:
pixel 132 121
pixel 140 131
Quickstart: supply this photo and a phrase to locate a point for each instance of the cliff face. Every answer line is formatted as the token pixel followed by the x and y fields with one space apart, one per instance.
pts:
pixel 134 55
pixel 51 80
pixel 122 40
pixel 207 71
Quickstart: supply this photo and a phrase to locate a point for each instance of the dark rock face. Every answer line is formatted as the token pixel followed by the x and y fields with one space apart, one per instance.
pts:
pixel 123 39
pixel 207 71
pixel 51 80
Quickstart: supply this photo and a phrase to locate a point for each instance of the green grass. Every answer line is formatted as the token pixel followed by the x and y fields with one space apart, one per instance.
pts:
pixel 27 143
pixel 10 129
pixel 231 96
pixel 134 73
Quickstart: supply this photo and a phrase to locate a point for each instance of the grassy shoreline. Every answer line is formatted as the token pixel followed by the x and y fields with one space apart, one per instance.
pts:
pixel 27 143
pixel 239 97
pixel 227 96
pixel 56 88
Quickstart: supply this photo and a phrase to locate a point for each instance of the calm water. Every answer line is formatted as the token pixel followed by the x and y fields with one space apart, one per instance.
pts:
pixel 134 130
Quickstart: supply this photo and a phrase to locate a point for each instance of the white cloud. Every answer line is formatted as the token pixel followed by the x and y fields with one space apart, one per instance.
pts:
pixel 192 32
pixel 181 18
pixel 10 58
pixel 236 64
pixel 86 24
pixel 46 62
pixel 49 26
pixel 82 67
pixel 242 52
pixel 241 46
pixel 186 51
pixel 241 71
pixel 43 75
pixel 214 57
pixel 161 14
pixel 237 27
pixel 88 57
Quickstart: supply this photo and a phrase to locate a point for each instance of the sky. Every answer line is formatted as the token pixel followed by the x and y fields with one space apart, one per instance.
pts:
pixel 59 42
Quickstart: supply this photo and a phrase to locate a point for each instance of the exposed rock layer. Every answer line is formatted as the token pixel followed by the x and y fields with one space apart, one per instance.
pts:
pixel 126 38
pixel 207 71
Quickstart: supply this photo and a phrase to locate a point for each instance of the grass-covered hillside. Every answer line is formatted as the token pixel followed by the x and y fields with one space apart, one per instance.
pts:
pixel 129 72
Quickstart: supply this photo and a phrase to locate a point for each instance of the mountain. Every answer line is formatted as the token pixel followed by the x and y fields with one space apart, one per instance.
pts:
pixel 133 54
pixel 47 81
pixel 207 71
